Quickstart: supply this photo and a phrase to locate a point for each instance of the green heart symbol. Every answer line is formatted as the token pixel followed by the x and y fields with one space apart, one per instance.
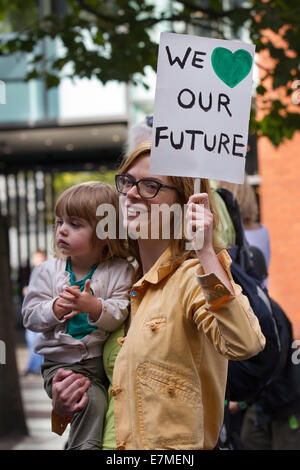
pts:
pixel 230 67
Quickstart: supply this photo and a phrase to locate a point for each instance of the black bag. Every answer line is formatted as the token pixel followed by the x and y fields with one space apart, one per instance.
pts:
pixel 281 395
pixel 247 378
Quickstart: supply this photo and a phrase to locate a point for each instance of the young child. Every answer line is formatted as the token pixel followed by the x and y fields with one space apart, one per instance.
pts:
pixel 76 299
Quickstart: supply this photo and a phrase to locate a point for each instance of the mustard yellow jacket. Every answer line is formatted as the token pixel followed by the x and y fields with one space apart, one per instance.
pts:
pixel 170 375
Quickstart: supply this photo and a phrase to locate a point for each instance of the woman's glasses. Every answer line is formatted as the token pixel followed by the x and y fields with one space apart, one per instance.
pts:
pixel 146 187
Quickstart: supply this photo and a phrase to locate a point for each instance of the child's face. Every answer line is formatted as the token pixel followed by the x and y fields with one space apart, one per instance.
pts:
pixel 73 236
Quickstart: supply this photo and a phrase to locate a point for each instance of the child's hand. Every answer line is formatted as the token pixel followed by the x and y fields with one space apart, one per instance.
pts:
pixel 80 302
pixel 59 309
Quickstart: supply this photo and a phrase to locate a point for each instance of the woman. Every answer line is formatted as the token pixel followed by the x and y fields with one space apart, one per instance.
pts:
pixel 187 319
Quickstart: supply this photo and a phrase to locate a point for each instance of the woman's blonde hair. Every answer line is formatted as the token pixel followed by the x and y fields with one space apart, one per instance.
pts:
pixel 185 189
pixel 82 201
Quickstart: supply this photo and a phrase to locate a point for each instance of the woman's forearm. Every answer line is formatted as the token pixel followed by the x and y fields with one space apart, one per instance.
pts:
pixel 211 264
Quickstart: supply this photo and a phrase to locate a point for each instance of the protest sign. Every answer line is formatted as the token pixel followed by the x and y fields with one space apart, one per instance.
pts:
pixel 202 107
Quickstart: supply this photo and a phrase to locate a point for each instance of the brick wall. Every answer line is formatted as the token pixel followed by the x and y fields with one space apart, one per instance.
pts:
pixel 279 169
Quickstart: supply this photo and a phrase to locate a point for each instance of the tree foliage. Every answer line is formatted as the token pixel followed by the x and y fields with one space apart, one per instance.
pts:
pixel 118 39
pixel 63 181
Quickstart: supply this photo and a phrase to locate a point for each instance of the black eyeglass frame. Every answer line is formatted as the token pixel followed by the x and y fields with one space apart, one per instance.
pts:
pixel 136 183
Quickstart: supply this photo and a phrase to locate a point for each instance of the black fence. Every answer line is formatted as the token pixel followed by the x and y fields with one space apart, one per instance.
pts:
pixel 27 198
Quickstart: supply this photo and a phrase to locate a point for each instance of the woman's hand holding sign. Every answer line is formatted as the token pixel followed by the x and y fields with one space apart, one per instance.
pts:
pixel 200 223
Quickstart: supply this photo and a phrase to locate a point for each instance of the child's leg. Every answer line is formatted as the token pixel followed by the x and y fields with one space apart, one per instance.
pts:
pixel 87 425
pixel 48 370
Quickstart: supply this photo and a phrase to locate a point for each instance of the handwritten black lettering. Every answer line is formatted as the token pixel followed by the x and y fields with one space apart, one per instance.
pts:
pixel 190 98
pixel 224 140
pixel 190 139
pixel 224 102
pixel 158 135
pixel 196 60
pixel 236 144
pixel 193 134
pixel 180 62
pixel 205 108
pixel 206 146
pixel 180 144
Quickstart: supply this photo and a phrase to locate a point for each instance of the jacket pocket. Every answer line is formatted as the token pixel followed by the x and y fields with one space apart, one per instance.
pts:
pixel 170 414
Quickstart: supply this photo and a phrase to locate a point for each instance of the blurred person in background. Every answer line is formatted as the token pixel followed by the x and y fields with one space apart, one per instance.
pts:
pixel 34 360
pixel 256 233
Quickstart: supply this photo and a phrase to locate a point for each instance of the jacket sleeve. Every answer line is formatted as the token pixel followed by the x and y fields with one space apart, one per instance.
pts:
pixel 37 305
pixel 226 320
pixel 115 308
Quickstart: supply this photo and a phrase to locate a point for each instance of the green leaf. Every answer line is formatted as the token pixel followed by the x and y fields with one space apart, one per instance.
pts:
pixel 52 81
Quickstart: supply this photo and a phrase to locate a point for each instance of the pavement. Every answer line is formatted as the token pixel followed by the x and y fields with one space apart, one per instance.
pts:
pixel 37 409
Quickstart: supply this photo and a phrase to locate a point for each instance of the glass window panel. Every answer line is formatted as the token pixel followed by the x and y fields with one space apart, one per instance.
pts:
pixel 24 102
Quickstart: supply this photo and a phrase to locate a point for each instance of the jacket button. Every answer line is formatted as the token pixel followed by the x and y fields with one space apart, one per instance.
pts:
pixel 152 326
pixel 121 340
pixel 219 287
pixel 171 391
pixel 115 391
pixel 121 447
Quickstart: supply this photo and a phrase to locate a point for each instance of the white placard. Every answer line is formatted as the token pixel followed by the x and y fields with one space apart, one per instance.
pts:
pixel 202 107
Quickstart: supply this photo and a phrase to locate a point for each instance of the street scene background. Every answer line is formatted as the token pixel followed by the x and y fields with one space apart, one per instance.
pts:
pixel 75 77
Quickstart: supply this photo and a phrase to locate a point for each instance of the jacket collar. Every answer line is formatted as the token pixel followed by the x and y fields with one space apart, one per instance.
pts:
pixel 161 269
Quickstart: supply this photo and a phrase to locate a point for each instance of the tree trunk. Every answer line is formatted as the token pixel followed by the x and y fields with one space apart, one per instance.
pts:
pixel 12 419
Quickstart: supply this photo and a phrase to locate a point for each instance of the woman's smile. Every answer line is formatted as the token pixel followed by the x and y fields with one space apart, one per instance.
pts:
pixel 134 210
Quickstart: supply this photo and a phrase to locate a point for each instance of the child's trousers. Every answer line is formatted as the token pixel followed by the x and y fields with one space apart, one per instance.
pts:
pixel 87 424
